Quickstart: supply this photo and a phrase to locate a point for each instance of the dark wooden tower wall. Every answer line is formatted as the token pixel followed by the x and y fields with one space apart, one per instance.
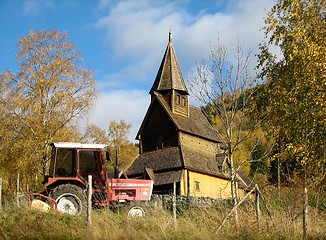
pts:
pixel 159 131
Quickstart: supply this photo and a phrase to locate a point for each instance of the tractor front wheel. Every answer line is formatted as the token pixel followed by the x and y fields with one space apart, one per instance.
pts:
pixel 71 199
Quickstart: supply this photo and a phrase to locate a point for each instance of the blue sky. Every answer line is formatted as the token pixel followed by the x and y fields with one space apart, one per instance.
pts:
pixel 123 42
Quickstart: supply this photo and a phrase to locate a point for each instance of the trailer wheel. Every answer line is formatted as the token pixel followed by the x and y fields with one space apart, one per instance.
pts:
pixel 136 212
pixel 71 199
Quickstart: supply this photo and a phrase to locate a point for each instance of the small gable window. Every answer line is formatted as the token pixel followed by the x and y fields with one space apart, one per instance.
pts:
pixel 184 101
pixel 178 99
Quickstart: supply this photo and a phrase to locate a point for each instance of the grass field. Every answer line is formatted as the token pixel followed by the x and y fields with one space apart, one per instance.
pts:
pixel 192 223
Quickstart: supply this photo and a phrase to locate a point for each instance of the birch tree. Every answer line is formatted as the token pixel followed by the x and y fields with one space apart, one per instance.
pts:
pixel 225 83
pixel 117 140
pixel 296 87
pixel 43 100
pixel 94 134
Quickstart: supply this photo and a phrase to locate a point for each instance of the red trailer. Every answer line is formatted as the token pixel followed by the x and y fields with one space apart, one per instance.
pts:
pixel 130 189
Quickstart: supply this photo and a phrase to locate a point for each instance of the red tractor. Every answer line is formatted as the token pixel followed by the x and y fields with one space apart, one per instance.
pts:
pixel 66 184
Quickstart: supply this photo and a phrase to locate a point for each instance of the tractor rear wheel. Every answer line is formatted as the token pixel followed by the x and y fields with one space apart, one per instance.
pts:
pixel 71 199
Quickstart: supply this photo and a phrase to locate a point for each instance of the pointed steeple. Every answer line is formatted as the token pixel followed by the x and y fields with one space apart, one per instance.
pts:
pixel 170 84
pixel 169 76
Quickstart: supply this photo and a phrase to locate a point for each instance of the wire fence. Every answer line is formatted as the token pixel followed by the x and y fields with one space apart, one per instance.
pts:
pixel 170 202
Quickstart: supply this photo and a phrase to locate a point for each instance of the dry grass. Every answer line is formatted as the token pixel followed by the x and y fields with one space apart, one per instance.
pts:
pixel 192 223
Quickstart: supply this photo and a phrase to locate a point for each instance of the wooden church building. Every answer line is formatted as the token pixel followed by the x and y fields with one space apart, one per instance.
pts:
pixel 177 143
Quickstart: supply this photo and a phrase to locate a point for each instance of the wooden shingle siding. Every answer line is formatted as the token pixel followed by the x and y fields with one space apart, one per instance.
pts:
pixel 169 75
pixel 199 144
pixel 168 177
pixel 196 124
pixel 180 104
pixel 159 160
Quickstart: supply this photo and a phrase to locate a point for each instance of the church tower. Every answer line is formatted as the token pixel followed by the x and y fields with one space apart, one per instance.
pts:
pixel 170 84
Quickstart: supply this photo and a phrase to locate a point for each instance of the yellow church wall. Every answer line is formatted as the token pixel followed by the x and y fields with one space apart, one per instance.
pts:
pixel 209 186
pixel 201 185
pixel 241 193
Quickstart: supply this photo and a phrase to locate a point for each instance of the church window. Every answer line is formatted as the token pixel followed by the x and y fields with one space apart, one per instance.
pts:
pixel 197 186
pixel 159 142
pixel 183 101
pixel 178 99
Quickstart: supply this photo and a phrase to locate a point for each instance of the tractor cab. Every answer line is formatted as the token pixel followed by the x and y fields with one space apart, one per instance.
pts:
pixel 71 163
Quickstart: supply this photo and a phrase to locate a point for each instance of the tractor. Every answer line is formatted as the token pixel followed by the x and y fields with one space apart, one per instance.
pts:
pixel 67 181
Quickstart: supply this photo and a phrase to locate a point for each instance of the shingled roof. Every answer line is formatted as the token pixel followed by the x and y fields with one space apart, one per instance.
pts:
pixel 197 124
pixel 158 160
pixel 245 182
pixel 167 165
pixel 201 162
pixel 169 75
pixel 174 159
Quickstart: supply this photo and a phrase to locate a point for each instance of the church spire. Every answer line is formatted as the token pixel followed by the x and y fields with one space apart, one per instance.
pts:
pixel 169 76
pixel 170 84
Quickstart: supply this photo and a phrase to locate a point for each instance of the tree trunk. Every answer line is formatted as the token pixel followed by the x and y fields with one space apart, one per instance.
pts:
pixel 233 187
pixel 278 179
pixel 265 204
pixel 174 206
pixel 234 209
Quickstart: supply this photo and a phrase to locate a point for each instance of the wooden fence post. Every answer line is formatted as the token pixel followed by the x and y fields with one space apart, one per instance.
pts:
pixel 89 201
pixel 36 184
pixel 265 204
pixel 17 191
pixel 257 205
pixel 174 206
pixel 234 209
pixel 0 193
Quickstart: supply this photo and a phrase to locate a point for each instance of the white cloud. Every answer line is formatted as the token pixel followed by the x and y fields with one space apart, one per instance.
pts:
pixel 129 106
pixel 137 34
pixel 137 31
